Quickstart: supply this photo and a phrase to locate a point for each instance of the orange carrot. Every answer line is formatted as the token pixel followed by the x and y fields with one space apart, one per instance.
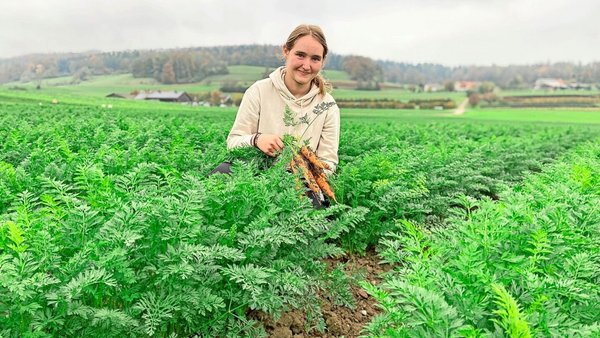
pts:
pixel 313 159
pixel 325 187
pixel 308 176
pixel 312 171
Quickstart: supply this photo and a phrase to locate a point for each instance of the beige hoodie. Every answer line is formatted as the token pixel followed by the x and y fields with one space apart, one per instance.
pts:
pixel 268 107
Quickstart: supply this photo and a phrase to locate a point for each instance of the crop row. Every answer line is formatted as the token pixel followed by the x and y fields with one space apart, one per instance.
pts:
pixel 526 266
pixel 543 101
pixel 396 104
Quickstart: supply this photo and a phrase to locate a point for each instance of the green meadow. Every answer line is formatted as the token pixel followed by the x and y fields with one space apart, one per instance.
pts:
pixel 93 92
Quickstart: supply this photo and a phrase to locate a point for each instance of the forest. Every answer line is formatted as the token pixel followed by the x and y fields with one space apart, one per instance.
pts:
pixel 187 65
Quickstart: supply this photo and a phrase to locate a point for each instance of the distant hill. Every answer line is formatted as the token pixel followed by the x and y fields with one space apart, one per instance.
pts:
pixel 238 79
pixel 191 65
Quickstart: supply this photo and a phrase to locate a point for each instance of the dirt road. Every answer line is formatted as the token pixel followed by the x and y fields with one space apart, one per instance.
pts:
pixel 461 108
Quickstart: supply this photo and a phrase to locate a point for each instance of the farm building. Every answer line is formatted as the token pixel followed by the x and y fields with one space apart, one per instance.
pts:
pixel 164 96
pixel 581 86
pixel 121 95
pixel 433 87
pixel 552 84
pixel 463 86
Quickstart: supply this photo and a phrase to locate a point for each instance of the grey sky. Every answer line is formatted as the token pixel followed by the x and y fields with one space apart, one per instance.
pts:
pixel 459 32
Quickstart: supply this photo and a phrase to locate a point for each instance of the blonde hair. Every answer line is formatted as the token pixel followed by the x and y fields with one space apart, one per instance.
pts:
pixel 317 33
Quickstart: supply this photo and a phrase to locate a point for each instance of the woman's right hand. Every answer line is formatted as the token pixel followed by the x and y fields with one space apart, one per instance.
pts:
pixel 269 144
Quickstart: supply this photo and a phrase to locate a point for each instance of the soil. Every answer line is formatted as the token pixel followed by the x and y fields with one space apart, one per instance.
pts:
pixel 340 321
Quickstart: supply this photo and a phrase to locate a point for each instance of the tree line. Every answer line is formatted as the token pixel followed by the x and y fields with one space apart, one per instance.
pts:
pixel 511 76
pixel 195 64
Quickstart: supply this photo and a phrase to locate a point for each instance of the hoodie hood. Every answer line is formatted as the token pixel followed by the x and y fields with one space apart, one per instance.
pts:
pixel 277 77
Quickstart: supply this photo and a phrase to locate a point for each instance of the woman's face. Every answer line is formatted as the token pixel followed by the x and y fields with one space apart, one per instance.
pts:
pixel 303 62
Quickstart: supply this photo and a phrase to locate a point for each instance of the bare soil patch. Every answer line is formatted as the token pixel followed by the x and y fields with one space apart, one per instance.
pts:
pixel 340 321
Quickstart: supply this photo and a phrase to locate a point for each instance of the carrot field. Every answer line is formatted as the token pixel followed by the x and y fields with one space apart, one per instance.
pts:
pixel 109 226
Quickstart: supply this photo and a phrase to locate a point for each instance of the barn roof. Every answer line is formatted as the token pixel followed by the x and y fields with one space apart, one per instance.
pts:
pixel 161 95
pixel 121 95
pixel 165 95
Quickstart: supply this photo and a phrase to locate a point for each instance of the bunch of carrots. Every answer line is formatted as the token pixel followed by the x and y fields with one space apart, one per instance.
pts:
pixel 313 171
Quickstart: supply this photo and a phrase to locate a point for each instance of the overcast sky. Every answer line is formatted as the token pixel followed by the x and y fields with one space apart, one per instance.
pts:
pixel 450 32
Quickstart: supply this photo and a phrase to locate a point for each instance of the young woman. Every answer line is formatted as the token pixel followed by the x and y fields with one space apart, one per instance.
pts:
pixel 292 100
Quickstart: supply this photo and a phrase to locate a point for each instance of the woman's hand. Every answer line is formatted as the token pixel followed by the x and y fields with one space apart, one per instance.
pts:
pixel 269 144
